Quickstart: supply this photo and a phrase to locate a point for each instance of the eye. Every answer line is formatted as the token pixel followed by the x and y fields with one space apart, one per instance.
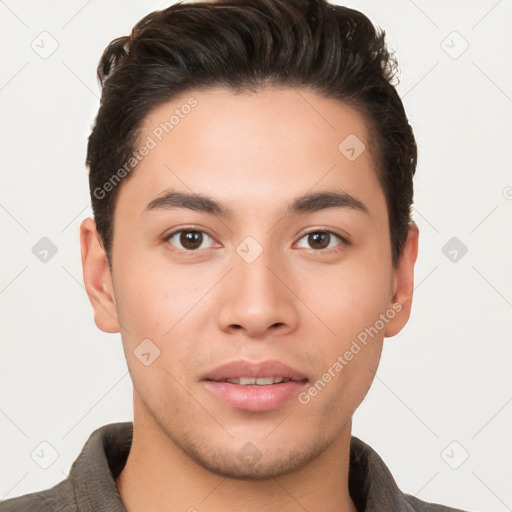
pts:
pixel 321 240
pixel 190 239
pixel 193 239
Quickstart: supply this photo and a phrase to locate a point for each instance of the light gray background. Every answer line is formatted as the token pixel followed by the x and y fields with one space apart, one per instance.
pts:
pixel 445 378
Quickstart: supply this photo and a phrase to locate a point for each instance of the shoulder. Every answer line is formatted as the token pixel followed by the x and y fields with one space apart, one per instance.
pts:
pixel 60 498
pixel 422 506
pixel 90 484
pixel 373 488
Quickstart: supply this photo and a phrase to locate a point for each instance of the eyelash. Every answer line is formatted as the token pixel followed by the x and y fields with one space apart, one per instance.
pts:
pixel 343 240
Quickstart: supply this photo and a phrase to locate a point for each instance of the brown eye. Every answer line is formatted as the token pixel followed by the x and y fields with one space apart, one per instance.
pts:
pixel 191 239
pixel 188 239
pixel 320 240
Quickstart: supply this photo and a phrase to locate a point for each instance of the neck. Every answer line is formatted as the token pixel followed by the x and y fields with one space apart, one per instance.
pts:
pixel 159 476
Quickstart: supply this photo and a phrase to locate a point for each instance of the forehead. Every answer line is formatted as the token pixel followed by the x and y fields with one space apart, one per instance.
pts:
pixel 285 118
pixel 240 146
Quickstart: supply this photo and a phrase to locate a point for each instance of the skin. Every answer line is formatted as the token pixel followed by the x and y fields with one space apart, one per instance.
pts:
pixel 254 153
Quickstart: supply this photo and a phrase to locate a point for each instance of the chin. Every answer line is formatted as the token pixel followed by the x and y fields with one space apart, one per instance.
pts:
pixel 250 462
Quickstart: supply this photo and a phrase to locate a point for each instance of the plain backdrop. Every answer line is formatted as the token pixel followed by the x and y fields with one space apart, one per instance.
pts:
pixel 440 409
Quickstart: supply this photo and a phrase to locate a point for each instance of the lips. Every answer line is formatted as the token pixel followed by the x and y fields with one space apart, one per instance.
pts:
pixel 254 387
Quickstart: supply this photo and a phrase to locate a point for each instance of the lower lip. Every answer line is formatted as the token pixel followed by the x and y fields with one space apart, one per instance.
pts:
pixel 255 398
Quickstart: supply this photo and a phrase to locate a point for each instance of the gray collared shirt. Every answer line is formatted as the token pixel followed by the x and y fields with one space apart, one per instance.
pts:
pixel 90 485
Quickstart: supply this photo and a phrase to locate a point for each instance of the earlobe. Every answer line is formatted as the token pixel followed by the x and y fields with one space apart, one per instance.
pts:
pixel 404 283
pixel 97 278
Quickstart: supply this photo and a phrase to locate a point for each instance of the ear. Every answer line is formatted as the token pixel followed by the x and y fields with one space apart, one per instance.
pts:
pixel 404 283
pixel 97 278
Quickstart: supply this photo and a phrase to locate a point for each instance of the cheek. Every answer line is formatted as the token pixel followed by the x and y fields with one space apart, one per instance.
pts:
pixel 150 299
pixel 164 307
pixel 351 304
pixel 350 299
pixel 153 317
pixel 350 358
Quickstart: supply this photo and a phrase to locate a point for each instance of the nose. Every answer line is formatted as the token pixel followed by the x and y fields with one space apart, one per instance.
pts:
pixel 258 298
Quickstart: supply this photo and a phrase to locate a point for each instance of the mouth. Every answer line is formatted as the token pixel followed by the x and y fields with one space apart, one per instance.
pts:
pixel 260 381
pixel 254 387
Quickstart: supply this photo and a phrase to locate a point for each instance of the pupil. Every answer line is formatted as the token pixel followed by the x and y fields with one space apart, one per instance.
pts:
pixel 191 239
pixel 321 239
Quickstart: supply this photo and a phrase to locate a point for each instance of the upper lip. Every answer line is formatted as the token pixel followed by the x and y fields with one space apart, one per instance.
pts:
pixel 237 369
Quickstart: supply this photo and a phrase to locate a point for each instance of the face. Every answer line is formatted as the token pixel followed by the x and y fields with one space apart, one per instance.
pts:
pixel 264 302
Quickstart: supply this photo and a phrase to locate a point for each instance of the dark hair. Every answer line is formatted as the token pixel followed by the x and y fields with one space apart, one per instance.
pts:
pixel 244 45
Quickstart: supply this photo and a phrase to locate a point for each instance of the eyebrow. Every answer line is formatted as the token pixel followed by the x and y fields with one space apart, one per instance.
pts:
pixel 310 202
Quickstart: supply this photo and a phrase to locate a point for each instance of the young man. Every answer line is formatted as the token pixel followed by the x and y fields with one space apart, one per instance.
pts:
pixel 251 172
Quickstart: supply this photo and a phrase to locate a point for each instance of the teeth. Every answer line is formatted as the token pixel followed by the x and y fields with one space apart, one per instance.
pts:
pixel 265 381
pixel 260 381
